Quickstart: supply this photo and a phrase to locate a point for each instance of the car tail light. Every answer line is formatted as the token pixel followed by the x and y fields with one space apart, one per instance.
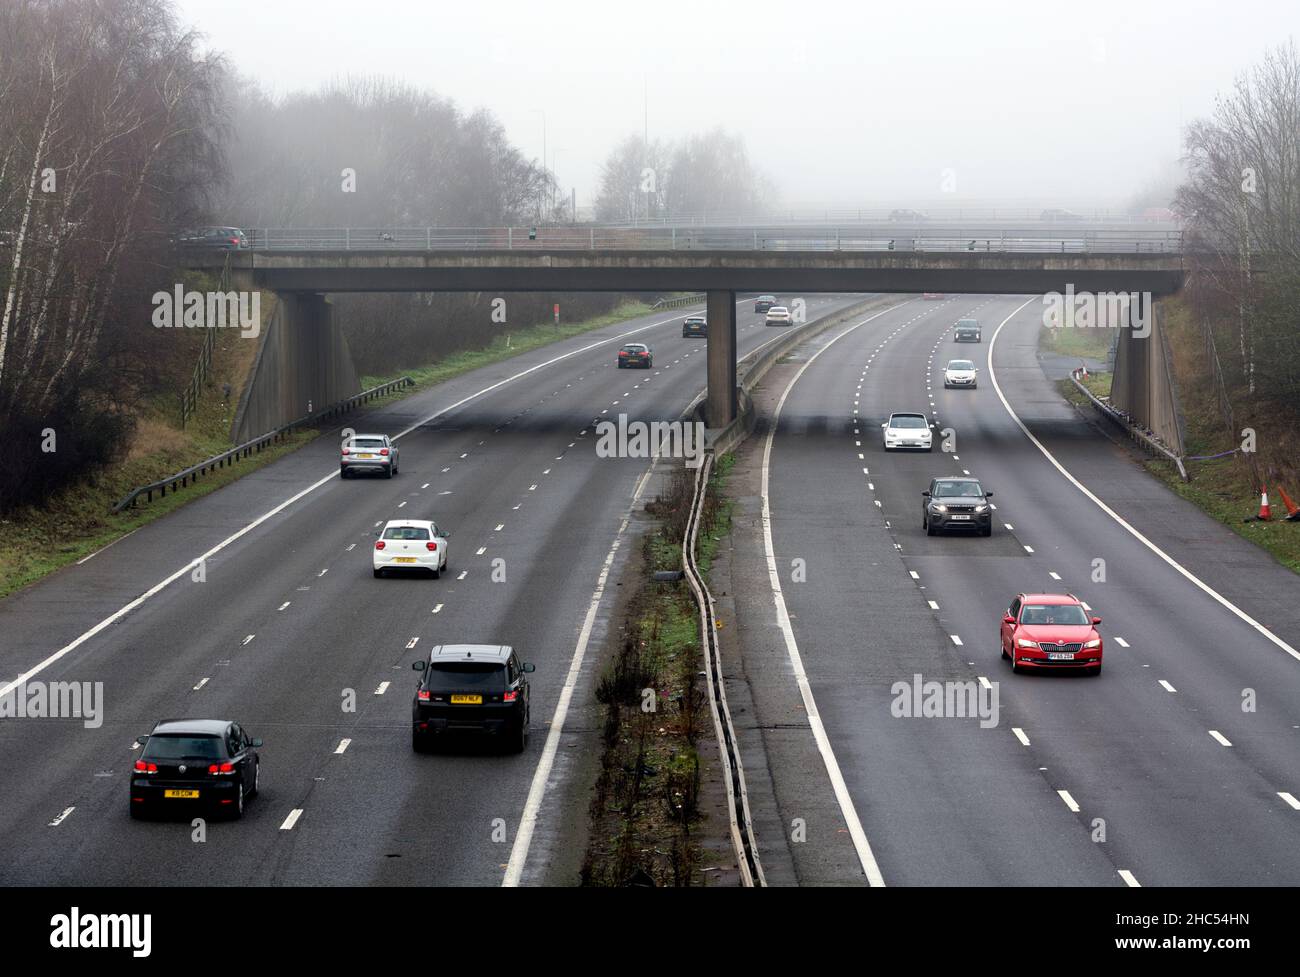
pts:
pixel 510 696
pixel 221 768
pixel 379 545
pixel 423 695
pixel 431 547
pixel 234 240
pixel 347 451
pixel 384 452
pixel 142 767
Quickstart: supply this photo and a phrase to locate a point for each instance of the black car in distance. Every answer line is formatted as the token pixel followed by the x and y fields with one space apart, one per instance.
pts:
pixel 186 765
pixel 480 690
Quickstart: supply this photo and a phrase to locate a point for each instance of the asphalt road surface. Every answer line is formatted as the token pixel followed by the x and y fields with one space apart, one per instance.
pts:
pixel 288 619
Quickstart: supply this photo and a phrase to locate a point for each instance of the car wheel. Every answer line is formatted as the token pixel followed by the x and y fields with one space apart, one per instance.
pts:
pixel 929 528
pixel 257 779
pixel 378 573
pixel 388 472
pixel 238 811
pixel 1094 671
pixel 519 743
pixel 418 743
pixel 343 472
pixel 437 572
pixel 1005 656
pixel 986 531
pixel 1015 666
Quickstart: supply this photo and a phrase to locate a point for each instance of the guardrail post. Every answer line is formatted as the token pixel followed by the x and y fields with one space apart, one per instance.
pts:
pixel 428 239
pixel 674 247
pixel 347 239
pixel 592 233
pixel 510 238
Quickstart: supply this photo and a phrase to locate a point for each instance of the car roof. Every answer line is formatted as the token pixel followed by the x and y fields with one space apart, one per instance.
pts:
pixel 473 653
pixel 363 435
pixel 955 478
pixel 417 523
pixel 635 346
pixel 1049 599
pixel 691 317
pixel 200 727
pixel 906 413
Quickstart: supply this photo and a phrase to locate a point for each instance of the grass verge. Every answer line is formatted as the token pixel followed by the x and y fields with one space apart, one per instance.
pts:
pixel 644 812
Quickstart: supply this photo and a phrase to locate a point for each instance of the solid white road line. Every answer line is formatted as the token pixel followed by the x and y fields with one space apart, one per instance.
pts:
pixel 1129 880
pixel 537 789
pixel 1070 802
pixel 1220 738
pixel 841 789
pixel 292 819
pixel 1187 574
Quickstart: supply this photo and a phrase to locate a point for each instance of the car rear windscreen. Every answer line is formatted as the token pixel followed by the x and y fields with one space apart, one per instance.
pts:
pixel 183 748
pixel 367 442
pixel 454 676
pixel 406 532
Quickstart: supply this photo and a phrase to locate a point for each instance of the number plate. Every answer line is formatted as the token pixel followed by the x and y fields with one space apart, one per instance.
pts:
pixel 467 700
pixel 365 456
pixel 186 794
pixel 959 517
pixel 1061 656
pixel 403 559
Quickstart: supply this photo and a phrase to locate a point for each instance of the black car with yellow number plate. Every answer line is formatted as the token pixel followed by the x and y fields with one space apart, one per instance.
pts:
pixel 189 764
pixel 473 689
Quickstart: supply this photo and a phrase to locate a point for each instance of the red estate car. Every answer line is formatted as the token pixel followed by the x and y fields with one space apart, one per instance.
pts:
pixel 1051 631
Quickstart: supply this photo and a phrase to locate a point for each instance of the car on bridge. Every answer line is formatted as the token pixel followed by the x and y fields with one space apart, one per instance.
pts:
pixel 1049 631
pixel 764 302
pixel 1052 214
pixel 479 690
pixel 636 354
pixel 195 764
pixel 695 326
pixel 778 315
pixel 369 453
pixel 966 331
pixel 908 430
pixel 907 216
pixel 959 373
pixel 218 238
pixel 410 544
pixel 959 502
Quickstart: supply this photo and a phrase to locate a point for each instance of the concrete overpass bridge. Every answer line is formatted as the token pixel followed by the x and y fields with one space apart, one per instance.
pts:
pixel 300 266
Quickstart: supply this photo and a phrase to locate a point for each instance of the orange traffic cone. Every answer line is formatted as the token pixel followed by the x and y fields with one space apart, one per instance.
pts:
pixel 1292 510
pixel 1265 513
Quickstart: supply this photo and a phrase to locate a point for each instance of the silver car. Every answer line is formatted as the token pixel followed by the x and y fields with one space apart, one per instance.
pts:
pixel 368 453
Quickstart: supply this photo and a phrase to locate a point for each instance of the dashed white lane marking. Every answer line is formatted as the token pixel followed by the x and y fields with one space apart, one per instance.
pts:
pixel 412 643
pixel 1020 735
pixel 1053 574
pixel 1029 549
pixel 382 688
pixel 202 682
pixel 463 574
pixel 425 485
pixel 323 572
pixel 292 819
pixel 546 471
pixel 1129 879
pixel 444 471
pixel 1121 642
pixel 956 639
pixel 351 547
pixel 914 574
pixel 1069 801
pixel 436 608
pixel 1220 738
pixel 532 488
pixel 61 817
pixel 343 746
pixel 854 824
pixel 1166 686
pixel 465 455
pixel 500 526
pixel 400 504
pixel 1009 526
pixel 283 606
pixel 1290 799
pixel 247 639
pixel 481 550
pixel 514 507
pixel 934 605
pixel 1169 560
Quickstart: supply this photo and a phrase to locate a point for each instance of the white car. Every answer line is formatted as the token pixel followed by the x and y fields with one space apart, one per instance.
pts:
pixel 959 373
pixel 907 430
pixel 778 315
pixel 410 544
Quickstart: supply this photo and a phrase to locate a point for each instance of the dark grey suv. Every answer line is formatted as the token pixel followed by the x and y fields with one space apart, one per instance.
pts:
pixel 471 689
pixel 956 503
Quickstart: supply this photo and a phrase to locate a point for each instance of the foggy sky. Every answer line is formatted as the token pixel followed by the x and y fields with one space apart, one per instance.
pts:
pixel 839 102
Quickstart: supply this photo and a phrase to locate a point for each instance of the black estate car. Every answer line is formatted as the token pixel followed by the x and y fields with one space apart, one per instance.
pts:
pixel 188 764
pixel 476 689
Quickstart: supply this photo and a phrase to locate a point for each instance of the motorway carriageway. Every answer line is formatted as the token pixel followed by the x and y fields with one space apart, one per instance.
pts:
pixel 289 617
pixel 1150 774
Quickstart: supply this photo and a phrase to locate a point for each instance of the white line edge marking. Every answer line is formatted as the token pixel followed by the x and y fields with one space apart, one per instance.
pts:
pixel 1191 577
pixel 61 817
pixel 537 789
pixel 851 819
pixel 239 534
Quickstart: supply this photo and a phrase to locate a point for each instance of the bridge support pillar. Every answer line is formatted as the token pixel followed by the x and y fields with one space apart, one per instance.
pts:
pixel 720 403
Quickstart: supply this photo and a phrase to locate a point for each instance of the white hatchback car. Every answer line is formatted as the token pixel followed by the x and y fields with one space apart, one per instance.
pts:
pixel 959 373
pixel 410 544
pixel 904 430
